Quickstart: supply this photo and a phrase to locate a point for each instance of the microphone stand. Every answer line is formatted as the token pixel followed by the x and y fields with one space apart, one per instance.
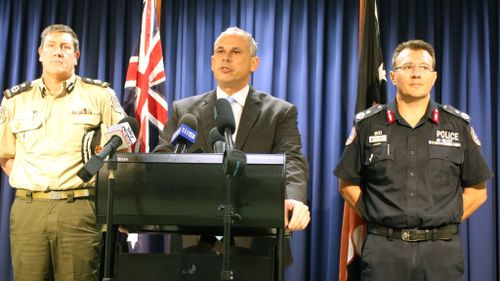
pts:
pixel 110 230
pixel 233 164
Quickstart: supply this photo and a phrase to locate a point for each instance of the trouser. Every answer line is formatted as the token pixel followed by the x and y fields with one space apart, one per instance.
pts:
pixel 383 259
pixel 54 240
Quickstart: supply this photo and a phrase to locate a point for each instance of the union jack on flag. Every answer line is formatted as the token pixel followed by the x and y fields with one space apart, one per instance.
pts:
pixel 144 84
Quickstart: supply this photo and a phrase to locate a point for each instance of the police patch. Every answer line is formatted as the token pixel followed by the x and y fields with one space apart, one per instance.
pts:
pixel 3 114
pixel 352 136
pixel 474 136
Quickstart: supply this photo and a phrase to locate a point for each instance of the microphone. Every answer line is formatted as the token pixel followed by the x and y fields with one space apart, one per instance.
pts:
pixel 121 136
pixel 216 140
pixel 224 119
pixel 234 161
pixel 186 134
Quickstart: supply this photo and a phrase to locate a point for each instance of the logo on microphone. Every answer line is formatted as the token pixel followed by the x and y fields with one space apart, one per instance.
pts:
pixel 184 134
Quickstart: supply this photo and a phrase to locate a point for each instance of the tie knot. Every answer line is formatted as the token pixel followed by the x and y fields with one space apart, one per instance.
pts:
pixel 231 100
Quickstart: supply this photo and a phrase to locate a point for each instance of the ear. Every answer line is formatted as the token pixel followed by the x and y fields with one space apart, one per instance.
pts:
pixel 40 54
pixel 435 74
pixel 212 63
pixel 392 76
pixel 254 64
pixel 77 56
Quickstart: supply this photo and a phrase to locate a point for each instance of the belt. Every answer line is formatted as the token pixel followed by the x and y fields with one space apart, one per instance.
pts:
pixel 55 194
pixel 416 234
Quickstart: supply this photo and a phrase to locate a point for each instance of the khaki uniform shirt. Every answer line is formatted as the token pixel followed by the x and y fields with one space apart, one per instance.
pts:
pixel 43 131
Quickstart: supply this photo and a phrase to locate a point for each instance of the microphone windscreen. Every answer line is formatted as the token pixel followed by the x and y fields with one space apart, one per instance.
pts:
pixel 190 120
pixel 224 118
pixel 132 122
pixel 214 136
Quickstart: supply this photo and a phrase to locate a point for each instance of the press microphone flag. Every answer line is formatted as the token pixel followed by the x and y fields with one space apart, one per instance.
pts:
pixel 124 132
pixel 120 136
pixel 186 134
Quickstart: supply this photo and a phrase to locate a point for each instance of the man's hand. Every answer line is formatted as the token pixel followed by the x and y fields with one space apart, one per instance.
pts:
pixel 7 165
pixel 300 215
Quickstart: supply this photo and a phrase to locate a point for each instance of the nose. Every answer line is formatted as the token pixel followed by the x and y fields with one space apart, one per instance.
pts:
pixel 416 73
pixel 227 56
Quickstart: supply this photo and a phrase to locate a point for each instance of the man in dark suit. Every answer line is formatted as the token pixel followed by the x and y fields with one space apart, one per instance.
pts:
pixel 264 124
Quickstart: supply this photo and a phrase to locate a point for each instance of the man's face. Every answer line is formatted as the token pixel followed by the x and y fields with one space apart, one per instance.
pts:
pixel 232 62
pixel 58 55
pixel 413 74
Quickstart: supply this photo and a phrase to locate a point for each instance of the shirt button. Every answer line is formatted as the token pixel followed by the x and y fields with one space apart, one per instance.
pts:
pixel 412 195
pixel 412 152
pixel 411 174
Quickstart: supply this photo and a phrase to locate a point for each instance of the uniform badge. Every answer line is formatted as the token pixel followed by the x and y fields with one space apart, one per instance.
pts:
pixel 115 104
pixel 474 136
pixel 3 114
pixel 352 136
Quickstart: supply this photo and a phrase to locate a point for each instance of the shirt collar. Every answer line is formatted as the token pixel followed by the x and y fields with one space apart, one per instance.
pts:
pixel 431 112
pixel 68 84
pixel 240 96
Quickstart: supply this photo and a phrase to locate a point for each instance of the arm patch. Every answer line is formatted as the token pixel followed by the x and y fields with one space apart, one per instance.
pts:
pixel 23 87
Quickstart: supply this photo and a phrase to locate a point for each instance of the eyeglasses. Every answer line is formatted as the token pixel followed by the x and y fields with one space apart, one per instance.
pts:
pixel 410 68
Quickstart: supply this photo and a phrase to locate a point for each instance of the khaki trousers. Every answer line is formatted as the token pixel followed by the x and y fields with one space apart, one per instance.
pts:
pixel 54 240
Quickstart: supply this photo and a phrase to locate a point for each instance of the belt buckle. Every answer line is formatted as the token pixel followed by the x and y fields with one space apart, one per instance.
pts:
pixel 406 235
pixel 55 195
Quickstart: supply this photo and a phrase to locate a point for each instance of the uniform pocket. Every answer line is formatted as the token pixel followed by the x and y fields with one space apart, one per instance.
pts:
pixel 29 129
pixel 379 161
pixel 444 163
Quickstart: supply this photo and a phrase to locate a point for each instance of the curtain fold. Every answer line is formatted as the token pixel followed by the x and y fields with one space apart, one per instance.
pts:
pixel 308 51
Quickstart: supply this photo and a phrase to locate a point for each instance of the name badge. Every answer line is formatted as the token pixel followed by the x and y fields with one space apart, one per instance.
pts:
pixel 375 139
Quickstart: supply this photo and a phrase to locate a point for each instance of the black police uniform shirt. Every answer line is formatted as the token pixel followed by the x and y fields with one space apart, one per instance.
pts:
pixel 412 177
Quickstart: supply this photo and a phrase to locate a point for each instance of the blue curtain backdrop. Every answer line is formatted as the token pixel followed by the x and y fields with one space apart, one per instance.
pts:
pixel 308 52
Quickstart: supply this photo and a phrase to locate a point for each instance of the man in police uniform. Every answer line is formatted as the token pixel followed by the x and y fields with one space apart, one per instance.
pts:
pixel 54 235
pixel 413 170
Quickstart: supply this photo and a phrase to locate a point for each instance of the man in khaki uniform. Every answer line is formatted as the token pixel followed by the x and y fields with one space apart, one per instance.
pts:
pixel 54 235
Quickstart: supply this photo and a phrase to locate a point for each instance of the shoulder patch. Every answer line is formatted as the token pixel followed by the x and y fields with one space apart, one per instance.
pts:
pixel 456 112
pixel 474 136
pixel 368 112
pixel 3 114
pixel 352 136
pixel 96 82
pixel 23 87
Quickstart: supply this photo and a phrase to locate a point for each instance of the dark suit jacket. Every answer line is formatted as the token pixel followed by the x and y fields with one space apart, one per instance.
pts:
pixel 267 125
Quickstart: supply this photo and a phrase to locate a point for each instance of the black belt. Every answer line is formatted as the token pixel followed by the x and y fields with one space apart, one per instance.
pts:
pixel 416 234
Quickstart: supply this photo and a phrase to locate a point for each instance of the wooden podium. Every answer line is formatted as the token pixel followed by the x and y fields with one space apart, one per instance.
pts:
pixel 183 193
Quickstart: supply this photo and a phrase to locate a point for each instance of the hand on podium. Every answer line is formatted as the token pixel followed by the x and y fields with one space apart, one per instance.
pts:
pixel 297 215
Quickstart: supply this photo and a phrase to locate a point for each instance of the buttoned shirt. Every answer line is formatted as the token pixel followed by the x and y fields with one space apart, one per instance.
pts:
pixel 43 131
pixel 237 104
pixel 413 177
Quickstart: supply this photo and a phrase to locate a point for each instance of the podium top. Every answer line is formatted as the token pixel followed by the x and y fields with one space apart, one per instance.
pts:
pixel 207 158
pixel 188 189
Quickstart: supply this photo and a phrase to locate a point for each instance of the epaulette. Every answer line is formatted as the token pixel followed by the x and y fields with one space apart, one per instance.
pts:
pixel 454 111
pixel 95 82
pixel 368 112
pixel 23 87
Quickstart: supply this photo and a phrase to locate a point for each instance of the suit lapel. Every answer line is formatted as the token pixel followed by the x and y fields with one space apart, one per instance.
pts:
pixel 207 118
pixel 251 112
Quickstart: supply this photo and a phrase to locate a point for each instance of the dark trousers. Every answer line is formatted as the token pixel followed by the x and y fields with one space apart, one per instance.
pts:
pixel 397 260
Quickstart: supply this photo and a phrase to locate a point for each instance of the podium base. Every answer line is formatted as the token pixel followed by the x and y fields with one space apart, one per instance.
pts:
pixel 190 267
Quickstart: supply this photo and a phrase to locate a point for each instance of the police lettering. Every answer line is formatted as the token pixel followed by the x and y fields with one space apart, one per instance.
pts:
pixel 447 135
